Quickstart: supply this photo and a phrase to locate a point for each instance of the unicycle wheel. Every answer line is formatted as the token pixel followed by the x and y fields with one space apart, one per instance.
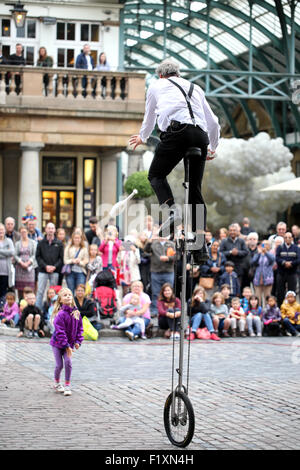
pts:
pixel 179 420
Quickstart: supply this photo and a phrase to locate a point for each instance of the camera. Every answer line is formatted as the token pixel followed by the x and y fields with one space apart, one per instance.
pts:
pixel 126 245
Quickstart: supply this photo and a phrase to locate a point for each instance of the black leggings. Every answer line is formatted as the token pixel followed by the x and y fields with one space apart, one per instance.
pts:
pixel 165 322
pixel 168 153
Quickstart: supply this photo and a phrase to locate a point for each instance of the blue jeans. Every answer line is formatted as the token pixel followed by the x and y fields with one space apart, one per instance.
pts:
pixel 157 281
pixel 42 284
pixel 196 321
pixel 15 318
pixel 135 329
pixel 74 279
pixel 291 327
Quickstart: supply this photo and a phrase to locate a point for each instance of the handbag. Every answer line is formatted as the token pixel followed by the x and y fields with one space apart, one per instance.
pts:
pixel 89 332
pixel 67 268
pixel 207 282
pixel 203 333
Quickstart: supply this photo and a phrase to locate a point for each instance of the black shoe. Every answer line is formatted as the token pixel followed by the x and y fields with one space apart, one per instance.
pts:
pixel 200 256
pixel 168 227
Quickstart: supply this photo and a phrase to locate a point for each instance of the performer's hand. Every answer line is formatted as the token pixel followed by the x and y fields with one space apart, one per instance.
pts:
pixel 135 140
pixel 211 154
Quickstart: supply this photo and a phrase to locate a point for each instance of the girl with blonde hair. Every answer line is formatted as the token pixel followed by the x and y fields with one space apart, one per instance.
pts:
pixel 68 333
pixel 220 314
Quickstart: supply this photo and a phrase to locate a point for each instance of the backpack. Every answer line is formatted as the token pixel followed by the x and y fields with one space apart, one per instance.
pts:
pixel 105 278
pixel 106 301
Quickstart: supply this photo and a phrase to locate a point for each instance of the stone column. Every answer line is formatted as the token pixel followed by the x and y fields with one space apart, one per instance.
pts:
pixel 30 184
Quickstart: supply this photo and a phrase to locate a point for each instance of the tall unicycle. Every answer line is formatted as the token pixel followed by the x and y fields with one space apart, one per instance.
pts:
pixel 179 417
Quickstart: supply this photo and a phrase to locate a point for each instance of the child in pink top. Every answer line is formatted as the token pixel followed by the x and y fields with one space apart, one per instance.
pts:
pixel 110 248
pixel 10 314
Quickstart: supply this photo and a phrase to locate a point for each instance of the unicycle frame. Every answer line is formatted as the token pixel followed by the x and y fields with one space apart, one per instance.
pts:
pixel 180 387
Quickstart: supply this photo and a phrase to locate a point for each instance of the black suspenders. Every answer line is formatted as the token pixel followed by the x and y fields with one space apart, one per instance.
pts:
pixel 187 98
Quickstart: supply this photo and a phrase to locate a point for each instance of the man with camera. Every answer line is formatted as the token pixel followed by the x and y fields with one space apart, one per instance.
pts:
pixel 162 262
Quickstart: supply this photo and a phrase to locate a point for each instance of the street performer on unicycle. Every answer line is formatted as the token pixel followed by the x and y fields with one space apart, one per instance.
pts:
pixel 185 120
pixel 187 126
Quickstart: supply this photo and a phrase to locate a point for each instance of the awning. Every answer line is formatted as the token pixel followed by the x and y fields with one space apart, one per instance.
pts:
pixel 291 185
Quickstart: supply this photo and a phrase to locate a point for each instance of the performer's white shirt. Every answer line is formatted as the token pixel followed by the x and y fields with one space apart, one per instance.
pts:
pixel 165 102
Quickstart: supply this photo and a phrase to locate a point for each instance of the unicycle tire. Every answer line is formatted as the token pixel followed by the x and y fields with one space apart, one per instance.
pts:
pixel 179 428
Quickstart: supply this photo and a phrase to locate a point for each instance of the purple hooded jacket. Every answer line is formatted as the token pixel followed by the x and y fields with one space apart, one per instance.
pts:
pixel 68 330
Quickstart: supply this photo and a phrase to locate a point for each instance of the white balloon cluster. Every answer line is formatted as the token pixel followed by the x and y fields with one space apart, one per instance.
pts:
pixel 232 181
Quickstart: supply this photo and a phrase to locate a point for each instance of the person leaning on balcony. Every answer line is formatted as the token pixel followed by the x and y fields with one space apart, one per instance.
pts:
pixel 17 59
pixel 85 61
pixel 3 60
pixel 44 60
pixel 104 66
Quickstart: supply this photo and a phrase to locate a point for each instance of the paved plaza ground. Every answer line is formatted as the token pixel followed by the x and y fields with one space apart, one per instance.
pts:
pixel 245 393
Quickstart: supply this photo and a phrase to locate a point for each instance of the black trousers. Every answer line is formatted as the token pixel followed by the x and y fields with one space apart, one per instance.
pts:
pixel 168 153
pixel 3 289
pixel 285 281
pixel 165 323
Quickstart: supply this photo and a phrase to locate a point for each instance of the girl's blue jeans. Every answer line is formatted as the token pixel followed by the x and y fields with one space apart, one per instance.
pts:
pixel 196 321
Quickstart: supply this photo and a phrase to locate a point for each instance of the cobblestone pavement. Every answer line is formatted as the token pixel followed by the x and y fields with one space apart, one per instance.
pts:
pixel 245 393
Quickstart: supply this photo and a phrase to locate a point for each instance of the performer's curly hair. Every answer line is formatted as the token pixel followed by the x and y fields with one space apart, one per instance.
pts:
pixel 168 68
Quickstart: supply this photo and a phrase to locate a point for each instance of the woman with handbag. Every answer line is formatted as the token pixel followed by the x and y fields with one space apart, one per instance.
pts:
pixel 212 269
pixel 76 258
pixel 25 250
pixel 7 251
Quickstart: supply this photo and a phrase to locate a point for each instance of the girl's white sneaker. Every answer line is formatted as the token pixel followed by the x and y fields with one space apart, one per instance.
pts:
pixel 67 391
pixel 59 388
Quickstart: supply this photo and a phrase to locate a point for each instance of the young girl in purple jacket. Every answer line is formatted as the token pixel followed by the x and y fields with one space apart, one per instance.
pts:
pixel 68 333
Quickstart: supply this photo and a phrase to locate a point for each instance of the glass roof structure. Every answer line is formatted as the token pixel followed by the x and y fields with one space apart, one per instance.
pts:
pixel 235 49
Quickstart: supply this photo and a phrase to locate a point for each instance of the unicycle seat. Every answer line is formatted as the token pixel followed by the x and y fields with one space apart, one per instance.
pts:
pixel 193 152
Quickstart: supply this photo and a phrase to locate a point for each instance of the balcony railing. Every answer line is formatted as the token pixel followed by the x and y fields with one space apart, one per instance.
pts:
pixel 36 86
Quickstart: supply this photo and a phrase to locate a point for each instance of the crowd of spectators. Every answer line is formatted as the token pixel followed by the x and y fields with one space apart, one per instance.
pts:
pixel 246 287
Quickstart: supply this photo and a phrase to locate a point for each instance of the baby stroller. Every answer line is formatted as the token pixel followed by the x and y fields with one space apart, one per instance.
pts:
pixel 105 295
